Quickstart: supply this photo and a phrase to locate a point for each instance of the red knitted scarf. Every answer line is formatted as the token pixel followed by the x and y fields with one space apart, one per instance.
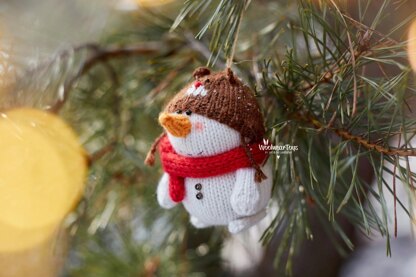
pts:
pixel 179 167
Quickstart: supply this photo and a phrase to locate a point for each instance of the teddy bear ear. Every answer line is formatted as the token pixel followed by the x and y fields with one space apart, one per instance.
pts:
pixel 201 72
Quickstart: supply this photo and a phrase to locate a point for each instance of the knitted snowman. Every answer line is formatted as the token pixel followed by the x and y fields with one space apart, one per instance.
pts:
pixel 210 153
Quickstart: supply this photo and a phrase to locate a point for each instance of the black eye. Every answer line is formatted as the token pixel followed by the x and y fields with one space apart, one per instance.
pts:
pixel 188 112
pixel 178 111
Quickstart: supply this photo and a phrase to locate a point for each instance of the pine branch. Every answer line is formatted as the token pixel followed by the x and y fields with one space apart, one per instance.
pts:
pixel 102 152
pixel 102 55
pixel 225 22
pixel 326 92
pixel 328 83
pixel 344 134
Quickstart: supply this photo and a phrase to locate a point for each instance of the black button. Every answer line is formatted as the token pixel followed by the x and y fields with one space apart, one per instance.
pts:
pixel 198 186
pixel 199 196
pixel 188 112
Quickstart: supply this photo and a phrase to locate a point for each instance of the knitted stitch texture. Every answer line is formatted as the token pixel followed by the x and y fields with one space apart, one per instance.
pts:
pixel 210 153
pixel 223 97
pixel 234 199
pixel 179 167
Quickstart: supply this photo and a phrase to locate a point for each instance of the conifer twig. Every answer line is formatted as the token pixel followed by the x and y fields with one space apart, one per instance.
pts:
pixel 346 135
pixel 102 55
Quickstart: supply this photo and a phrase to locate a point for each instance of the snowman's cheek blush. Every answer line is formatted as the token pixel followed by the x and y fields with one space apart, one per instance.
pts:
pixel 199 126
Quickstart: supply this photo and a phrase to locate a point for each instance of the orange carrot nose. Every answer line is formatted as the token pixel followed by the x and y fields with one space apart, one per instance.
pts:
pixel 177 125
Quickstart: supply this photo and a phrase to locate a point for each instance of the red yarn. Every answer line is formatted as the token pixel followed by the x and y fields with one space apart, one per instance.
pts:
pixel 179 167
pixel 197 84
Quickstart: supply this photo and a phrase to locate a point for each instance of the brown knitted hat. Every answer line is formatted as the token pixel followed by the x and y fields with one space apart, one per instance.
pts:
pixel 222 97
pixel 226 99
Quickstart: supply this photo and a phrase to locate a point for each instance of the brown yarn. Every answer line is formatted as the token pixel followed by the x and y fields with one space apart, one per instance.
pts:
pixel 228 101
pixel 259 176
pixel 201 72
pixel 150 157
pixel 230 76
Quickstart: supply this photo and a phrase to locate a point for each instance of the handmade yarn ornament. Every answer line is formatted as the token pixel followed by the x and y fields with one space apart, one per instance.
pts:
pixel 210 153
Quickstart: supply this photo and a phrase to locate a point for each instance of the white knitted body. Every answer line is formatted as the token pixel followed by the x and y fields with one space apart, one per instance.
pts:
pixel 232 199
pixel 225 199
pixel 207 138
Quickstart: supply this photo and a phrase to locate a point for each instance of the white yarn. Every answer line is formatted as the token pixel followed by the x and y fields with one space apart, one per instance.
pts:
pixel 210 138
pixel 163 197
pixel 196 90
pixel 232 199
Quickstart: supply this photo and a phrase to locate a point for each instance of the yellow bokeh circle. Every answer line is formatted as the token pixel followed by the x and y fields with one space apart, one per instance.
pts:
pixel 42 173
pixel 153 3
pixel 14 239
pixel 411 45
